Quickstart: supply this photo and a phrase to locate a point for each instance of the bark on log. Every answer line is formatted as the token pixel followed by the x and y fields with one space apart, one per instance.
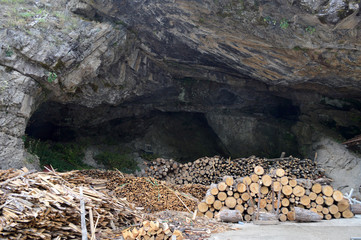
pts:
pixel 304 215
pixel 356 208
pixel 227 215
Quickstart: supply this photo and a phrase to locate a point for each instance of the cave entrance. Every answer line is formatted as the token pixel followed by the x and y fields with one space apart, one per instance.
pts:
pixel 70 136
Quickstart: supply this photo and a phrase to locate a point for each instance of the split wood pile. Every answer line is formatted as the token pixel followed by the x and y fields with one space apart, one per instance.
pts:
pixel 274 192
pixel 152 230
pixel 43 205
pixel 211 169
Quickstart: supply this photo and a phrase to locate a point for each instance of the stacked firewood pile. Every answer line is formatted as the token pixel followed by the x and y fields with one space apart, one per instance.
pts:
pixel 273 192
pixel 211 169
pixel 43 205
pixel 152 230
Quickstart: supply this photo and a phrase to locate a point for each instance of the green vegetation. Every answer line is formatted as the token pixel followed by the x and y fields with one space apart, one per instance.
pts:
pixel 270 21
pixel 310 29
pixel 149 156
pixel 284 23
pixel 52 77
pixel 62 156
pixel 8 52
pixel 122 162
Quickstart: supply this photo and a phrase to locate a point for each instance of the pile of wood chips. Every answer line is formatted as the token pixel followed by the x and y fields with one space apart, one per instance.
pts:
pixel 44 205
pixel 274 192
pixel 151 194
pixel 208 170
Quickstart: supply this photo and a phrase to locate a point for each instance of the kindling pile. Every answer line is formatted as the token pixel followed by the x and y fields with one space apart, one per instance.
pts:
pixel 208 170
pixel 274 192
pixel 44 205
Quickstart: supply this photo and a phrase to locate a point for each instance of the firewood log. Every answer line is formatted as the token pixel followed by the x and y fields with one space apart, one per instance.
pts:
pixel 264 190
pixel 241 187
pixel 258 170
pixel 333 209
pixel 222 196
pixel 266 180
pixel 284 180
pixel 210 199
pixel 304 215
pixel 347 213
pixel 254 178
pixel 227 215
pixel 356 208
pixel 254 187
pixel 203 207
pixel 343 205
pixel 280 172
pixel 287 190
pixel 222 186
pixel 298 191
pixel 337 195
pixel 292 182
pixel 240 208
pixel 327 190
pixel 316 188
pixel 228 180
pixel 230 202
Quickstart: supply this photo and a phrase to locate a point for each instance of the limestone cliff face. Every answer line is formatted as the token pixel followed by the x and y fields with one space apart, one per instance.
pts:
pixel 281 69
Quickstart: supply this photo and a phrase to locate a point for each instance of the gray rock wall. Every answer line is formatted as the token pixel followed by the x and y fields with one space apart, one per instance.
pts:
pixel 343 166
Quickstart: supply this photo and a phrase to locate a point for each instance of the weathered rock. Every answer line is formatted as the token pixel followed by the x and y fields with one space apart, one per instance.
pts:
pixel 341 165
pixel 268 68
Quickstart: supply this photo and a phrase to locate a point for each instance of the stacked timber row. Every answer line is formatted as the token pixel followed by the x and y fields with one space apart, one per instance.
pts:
pixel 211 169
pixel 152 230
pixel 274 193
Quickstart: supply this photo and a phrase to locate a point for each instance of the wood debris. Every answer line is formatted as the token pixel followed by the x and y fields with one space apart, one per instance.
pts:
pixel 43 205
pixel 154 195
pixel 208 170
pixel 193 228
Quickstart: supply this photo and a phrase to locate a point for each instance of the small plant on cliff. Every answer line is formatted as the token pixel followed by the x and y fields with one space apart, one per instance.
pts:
pixel 270 21
pixel 284 23
pixel 52 77
pixel 8 52
pixel 310 29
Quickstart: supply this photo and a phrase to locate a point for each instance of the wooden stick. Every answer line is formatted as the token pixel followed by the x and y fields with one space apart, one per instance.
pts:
pixel 273 197
pixel 84 232
pixel 91 222
pixel 278 202
pixel 96 222
pixel 195 215
pixel 259 199
pixel 249 194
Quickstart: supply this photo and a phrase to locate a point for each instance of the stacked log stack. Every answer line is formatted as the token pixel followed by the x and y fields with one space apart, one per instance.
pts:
pixel 274 192
pixel 211 169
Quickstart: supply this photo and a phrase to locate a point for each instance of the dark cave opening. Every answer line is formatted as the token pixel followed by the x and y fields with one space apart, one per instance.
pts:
pixel 183 136
pixel 262 130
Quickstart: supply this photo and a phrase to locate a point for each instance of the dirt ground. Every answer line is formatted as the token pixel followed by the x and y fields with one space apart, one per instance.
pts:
pixel 335 229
